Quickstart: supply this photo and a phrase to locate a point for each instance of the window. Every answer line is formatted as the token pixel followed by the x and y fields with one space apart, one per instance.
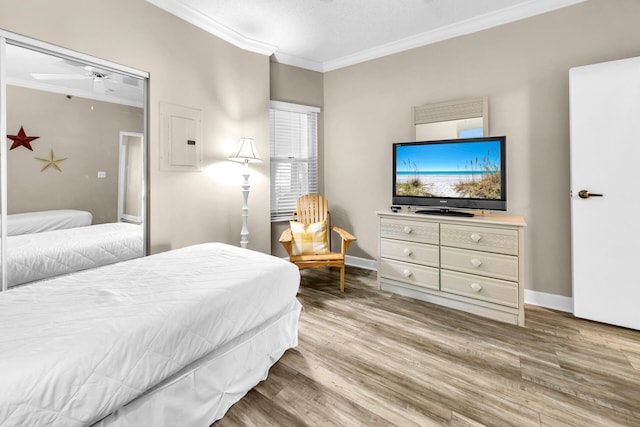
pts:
pixel 294 156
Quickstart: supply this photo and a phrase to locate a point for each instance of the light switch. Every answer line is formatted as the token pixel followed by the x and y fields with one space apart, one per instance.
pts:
pixel 102 174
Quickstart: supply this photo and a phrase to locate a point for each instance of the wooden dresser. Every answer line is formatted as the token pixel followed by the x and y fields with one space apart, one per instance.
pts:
pixel 472 264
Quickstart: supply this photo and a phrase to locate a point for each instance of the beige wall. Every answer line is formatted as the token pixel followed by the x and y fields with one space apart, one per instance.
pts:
pixel 187 67
pixel 298 86
pixel 83 131
pixel 523 68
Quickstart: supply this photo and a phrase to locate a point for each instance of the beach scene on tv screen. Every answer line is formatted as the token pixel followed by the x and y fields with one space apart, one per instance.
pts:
pixel 462 170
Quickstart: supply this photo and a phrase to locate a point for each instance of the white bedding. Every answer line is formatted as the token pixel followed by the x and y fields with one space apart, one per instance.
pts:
pixel 52 253
pixel 204 391
pixel 37 222
pixel 76 348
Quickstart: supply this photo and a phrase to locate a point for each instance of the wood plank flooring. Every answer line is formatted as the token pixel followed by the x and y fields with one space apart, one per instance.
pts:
pixel 371 358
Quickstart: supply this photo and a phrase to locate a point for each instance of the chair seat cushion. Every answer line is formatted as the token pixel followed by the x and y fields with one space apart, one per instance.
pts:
pixel 309 238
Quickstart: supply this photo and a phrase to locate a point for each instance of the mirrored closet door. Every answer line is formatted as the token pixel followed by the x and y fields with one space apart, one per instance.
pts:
pixel 73 162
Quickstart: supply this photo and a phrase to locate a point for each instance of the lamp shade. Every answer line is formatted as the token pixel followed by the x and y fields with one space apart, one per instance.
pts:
pixel 245 151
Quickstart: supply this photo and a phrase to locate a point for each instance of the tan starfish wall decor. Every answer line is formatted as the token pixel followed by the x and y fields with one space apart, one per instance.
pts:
pixel 51 162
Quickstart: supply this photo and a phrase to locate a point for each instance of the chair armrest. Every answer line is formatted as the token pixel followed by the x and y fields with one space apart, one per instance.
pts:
pixel 346 237
pixel 285 240
pixel 285 236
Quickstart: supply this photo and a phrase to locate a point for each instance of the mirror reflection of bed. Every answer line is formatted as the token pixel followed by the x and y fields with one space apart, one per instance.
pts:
pixel 75 193
pixel 62 241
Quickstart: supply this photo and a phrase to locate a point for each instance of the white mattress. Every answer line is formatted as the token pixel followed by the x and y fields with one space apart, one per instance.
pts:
pixel 52 253
pixel 37 222
pixel 76 348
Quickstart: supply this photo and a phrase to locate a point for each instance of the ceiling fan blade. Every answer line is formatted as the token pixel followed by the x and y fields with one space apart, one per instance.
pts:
pixel 130 81
pixel 98 85
pixel 45 76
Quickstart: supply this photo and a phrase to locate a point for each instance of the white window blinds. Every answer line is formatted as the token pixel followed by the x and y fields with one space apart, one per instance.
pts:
pixel 294 156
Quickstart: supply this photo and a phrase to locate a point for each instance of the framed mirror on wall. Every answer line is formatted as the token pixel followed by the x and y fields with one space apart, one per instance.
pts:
pixel 73 162
pixel 464 118
pixel 131 177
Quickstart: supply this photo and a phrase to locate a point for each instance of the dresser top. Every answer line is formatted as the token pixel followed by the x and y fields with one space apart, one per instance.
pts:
pixel 479 218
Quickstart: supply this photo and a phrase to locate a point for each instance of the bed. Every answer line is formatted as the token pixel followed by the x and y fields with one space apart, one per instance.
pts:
pixel 47 254
pixel 169 339
pixel 37 222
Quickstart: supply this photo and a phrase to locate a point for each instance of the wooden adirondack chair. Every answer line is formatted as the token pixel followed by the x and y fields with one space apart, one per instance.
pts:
pixel 314 209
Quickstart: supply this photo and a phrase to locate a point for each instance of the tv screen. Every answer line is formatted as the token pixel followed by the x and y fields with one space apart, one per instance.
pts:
pixel 468 173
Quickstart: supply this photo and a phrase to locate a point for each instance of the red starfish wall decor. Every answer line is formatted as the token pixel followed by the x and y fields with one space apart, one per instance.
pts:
pixel 21 140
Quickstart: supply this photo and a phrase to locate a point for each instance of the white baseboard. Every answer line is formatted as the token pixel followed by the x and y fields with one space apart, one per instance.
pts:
pixel 354 261
pixel 552 301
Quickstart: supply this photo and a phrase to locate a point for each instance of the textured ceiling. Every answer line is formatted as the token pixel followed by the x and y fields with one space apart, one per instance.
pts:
pixel 328 34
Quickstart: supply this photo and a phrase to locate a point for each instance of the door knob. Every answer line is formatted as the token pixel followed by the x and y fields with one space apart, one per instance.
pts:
pixel 585 194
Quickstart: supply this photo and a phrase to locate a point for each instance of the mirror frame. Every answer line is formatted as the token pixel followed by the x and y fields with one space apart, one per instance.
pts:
pixel 446 111
pixel 6 38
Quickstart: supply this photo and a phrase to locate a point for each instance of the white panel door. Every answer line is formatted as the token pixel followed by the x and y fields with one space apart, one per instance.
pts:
pixel 605 159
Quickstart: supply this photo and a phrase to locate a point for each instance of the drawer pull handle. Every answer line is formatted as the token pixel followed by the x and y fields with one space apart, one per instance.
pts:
pixel 475 287
pixel 407 230
pixel 407 252
pixel 476 237
pixel 476 262
pixel 407 273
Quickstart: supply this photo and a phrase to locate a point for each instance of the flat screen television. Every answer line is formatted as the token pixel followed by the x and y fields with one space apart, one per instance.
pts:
pixel 449 176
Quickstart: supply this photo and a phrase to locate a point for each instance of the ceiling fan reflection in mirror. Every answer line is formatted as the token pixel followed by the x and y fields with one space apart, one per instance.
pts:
pixel 48 72
pixel 99 77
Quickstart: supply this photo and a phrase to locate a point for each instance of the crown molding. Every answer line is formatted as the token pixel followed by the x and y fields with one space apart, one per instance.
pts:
pixel 297 61
pixel 472 25
pixel 192 16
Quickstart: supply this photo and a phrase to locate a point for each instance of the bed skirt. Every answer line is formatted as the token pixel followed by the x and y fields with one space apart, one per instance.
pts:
pixel 204 391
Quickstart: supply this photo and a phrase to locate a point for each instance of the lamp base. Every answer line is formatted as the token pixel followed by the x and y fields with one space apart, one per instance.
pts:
pixel 244 233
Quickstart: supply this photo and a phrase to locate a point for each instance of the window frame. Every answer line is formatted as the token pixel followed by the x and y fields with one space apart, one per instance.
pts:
pixel 283 210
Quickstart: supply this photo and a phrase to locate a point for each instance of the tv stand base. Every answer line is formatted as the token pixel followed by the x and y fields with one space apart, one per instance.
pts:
pixel 444 212
pixel 471 264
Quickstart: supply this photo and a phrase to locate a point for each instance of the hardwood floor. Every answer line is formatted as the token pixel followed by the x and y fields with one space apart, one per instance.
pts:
pixel 371 358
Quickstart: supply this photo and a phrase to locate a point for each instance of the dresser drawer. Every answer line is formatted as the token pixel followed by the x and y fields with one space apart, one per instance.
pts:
pixel 418 253
pixel 482 288
pixel 413 231
pixel 482 263
pixel 480 238
pixel 425 277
